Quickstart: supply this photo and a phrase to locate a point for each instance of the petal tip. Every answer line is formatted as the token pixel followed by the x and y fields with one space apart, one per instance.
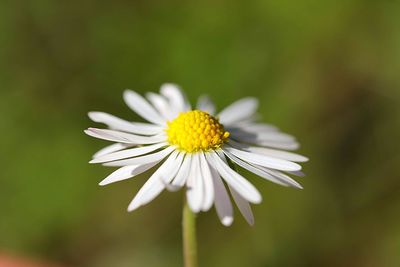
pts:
pixel 127 94
pixel 96 116
pixel 169 85
pixel 227 221
pixel 133 207
pixel 300 187
pixel 296 185
pixel 303 159
pixel 86 131
pixel 194 209
pixel 294 167
pixel 103 183
pixel 257 199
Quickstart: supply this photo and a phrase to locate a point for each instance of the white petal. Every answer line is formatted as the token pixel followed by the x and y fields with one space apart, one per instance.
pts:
pixel 204 103
pixel 194 191
pixel 278 154
pixel 298 173
pixel 254 169
pixel 128 153
pixel 176 97
pixel 274 136
pixel 110 149
pixel 138 104
pixel 155 157
pixel 255 127
pixel 265 138
pixel 222 202
pixel 161 104
pixel 292 145
pixel 122 137
pixel 176 166
pixel 270 152
pixel 126 172
pixel 153 186
pixel 208 183
pixel 260 171
pixel 183 172
pixel 172 166
pixel 251 119
pixel 123 125
pixel 234 179
pixel 281 176
pixel 239 110
pixel 263 160
pixel 243 206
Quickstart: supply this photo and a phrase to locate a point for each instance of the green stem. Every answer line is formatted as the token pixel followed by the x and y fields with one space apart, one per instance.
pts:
pixel 189 237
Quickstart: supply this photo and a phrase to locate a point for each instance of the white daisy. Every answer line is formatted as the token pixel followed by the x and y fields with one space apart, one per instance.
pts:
pixel 196 148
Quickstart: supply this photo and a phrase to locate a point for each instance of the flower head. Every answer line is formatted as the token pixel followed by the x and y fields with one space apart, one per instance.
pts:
pixel 197 149
pixel 196 130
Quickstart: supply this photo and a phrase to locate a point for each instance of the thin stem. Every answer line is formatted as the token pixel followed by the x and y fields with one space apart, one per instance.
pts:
pixel 189 237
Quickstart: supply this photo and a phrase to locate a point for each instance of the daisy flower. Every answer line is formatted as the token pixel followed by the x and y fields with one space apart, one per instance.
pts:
pixel 196 148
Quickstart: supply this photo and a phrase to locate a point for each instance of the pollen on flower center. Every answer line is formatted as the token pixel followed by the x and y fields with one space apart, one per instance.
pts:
pixel 196 130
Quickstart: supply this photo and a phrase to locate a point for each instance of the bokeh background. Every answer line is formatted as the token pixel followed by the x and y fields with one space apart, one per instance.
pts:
pixel 325 71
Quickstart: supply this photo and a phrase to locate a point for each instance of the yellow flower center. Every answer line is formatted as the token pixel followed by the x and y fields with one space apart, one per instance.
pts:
pixel 196 130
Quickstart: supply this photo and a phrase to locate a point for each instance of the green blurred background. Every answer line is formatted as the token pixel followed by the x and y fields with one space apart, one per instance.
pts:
pixel 325 71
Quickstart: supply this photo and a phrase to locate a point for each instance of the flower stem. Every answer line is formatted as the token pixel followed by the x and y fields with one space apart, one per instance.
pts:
pixel 189 237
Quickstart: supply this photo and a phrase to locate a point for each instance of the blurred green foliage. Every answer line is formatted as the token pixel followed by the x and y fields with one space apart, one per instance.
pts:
pixel 325 71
